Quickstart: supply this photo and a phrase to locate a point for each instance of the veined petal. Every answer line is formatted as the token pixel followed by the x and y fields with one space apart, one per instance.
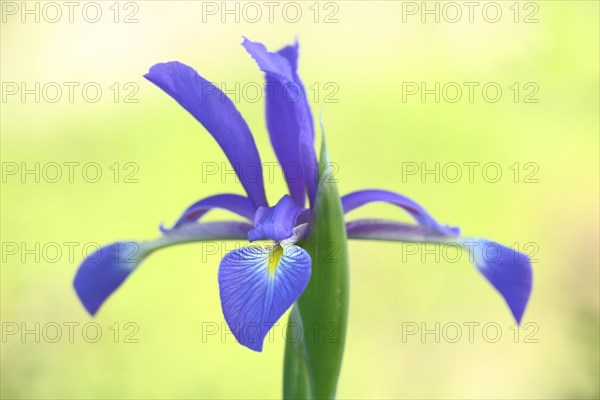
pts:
pixel 102 272
pixel 357 199
pixel 257 285
pixel 508 270
pixel 217 113
pixel 277 222
pixel 232 202
pixel 289 118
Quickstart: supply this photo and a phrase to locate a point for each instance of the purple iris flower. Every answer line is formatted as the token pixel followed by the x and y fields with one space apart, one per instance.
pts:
pixel 258 283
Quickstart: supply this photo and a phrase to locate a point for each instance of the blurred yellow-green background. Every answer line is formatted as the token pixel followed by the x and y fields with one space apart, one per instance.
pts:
pixel 358 58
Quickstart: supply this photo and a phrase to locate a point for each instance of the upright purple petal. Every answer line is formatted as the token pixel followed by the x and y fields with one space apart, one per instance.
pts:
pixel 217 113
pixel 257 285
pixel 506 269
pixel 289 118
pixel 231 202
pixel 290 52
pixel 357 199
pixel 277 222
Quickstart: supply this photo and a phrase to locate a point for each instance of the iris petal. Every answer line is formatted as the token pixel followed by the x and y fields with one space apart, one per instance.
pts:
pixel 357 199
pixel 232 202
pixel 289 118
pixel 277 222
pixel 220 230
pixel 508 270
pixel 257 285
pixel 217 113
pixel 380 229
pixel 102 272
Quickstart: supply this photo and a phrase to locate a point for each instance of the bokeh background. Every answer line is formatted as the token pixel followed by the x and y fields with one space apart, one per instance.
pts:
pixel 365 53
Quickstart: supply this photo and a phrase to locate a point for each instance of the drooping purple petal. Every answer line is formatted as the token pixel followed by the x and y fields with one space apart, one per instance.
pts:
pixel 277 222
pixel 217 113
pixel 357 199
pixel 257 285
pixel 103 271
pixel 380 229
pixel 289 118
pixel 232 202
pixel 508 270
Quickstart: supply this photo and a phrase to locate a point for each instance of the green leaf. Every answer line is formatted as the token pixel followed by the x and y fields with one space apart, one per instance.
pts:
pixel 323 307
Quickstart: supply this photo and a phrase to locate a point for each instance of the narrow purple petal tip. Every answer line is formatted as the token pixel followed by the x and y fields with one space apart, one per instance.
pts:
pixel 357 199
